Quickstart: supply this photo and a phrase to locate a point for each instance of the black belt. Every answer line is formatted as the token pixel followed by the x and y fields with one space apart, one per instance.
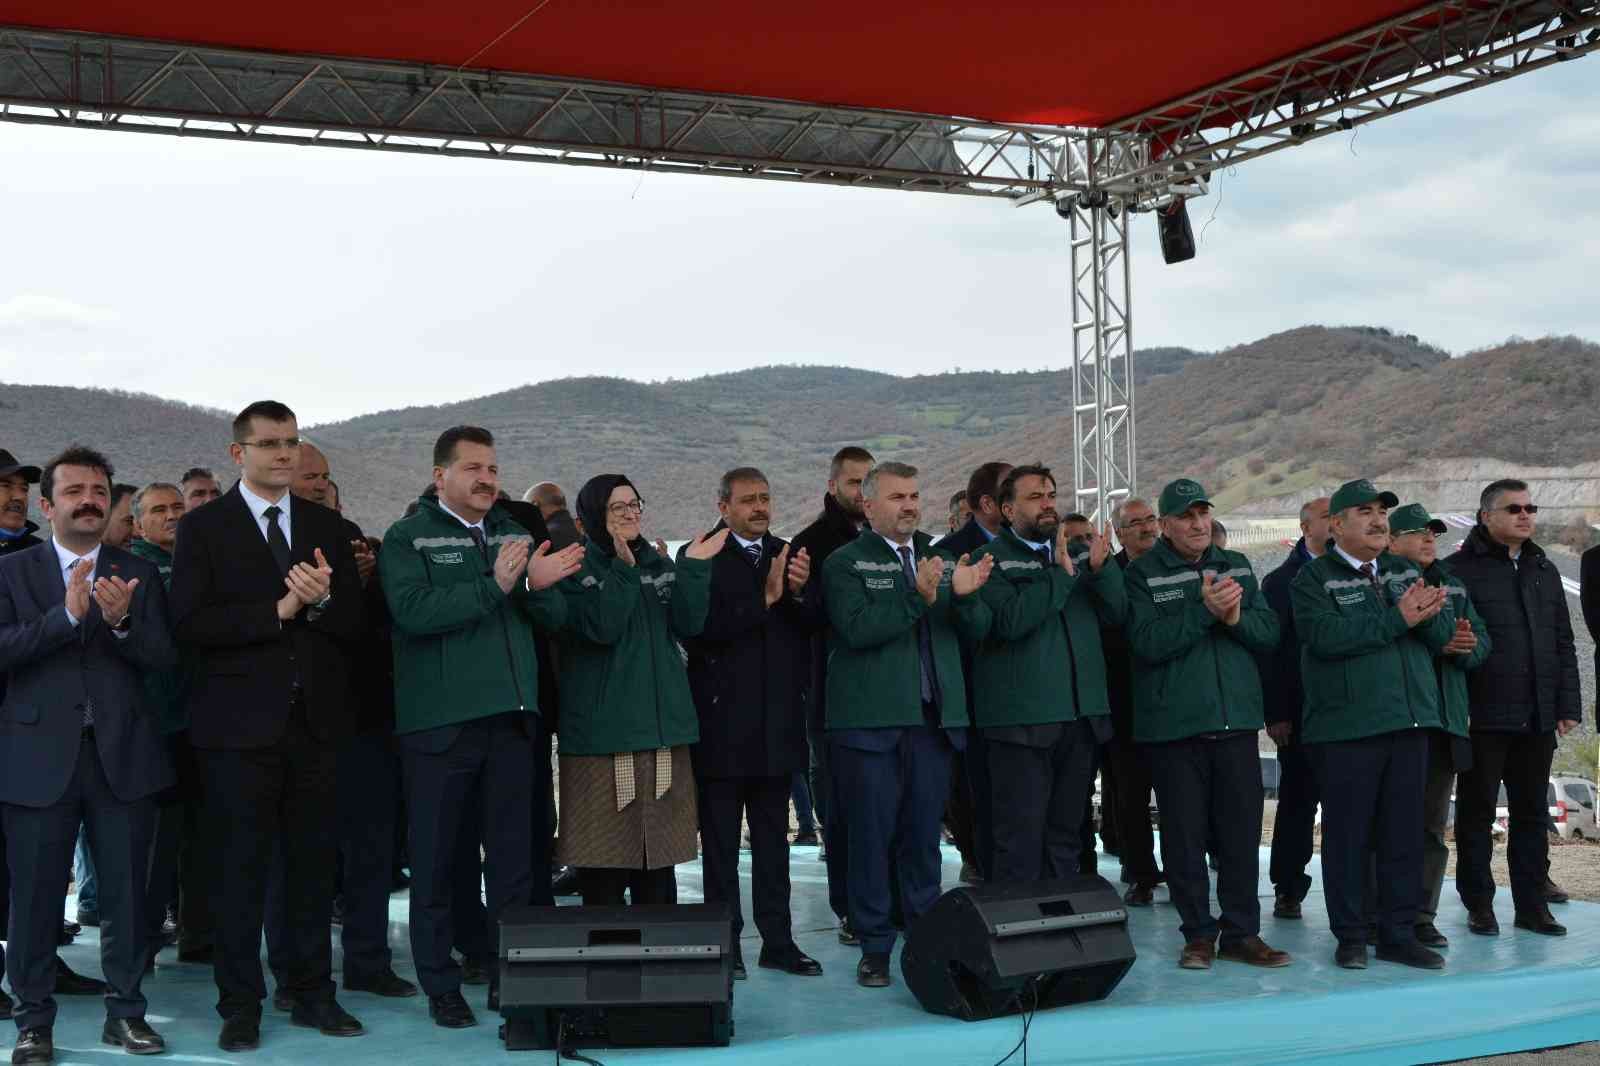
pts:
pixel 88 734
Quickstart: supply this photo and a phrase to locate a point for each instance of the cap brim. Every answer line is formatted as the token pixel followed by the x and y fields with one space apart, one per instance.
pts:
pixel 1437 526
pixel 30 474
pixel 1389 500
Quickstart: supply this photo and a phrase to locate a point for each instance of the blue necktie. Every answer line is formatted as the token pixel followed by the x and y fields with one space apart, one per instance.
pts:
pixel 924 632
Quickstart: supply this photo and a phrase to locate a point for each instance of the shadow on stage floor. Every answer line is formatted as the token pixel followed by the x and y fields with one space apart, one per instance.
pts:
pixel 1515 992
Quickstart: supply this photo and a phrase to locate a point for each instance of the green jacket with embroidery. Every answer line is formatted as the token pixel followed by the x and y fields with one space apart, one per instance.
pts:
pixel 1366 672
pixel 1193 674
pixel 623 681
pixel 463 649
pixel 874 662
pixel 1038 657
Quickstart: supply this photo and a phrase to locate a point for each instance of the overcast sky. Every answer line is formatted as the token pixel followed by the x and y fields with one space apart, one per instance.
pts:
pixel 345 282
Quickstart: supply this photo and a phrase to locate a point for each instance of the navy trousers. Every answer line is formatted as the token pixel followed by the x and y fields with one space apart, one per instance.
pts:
pixel 1040 794
pixel 1293 825
pixel 894 795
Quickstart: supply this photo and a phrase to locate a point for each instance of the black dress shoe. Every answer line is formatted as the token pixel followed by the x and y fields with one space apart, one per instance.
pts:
pixel 1351 956
pixel 133 1036
pixel 283 999
pixel 493 1000
pixel 1286 907
pixel 384 983
pixel 336 917
pixel 69 983
pixel 89 917
pixel 33 1045
pixel 399 881
pixel 1544 924
pixel 847 935
pixel 1554 893
pixel 326 1017
pixel 793 961
pixel 1411 954
pixel 474 972
pixel 1139 894
pixel 739 972
pixel 807 840
pixel 69 933
pixel 1483 922
pixel 873 971
pixel 450 1011
pixel 1428 936
pixel 5 1007
pixel 203 955
pixel 565 883
pixel 242 1032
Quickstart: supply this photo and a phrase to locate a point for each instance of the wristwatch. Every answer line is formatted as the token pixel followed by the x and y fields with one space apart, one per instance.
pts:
pixel 124 624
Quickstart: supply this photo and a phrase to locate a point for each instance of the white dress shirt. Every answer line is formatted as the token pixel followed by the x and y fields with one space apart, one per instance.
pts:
pixel 67 561
pixel 258 508
pixel 478 525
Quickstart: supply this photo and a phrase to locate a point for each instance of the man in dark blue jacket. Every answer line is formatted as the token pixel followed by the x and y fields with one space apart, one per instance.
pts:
pixel 1280 674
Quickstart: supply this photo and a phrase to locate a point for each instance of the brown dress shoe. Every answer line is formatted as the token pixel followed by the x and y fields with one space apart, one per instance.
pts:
pixel 1253 951
pixel 1197 955
pixel 1139 894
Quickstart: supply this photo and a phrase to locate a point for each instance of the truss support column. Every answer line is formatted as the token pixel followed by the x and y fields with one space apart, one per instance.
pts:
pixel 1102 358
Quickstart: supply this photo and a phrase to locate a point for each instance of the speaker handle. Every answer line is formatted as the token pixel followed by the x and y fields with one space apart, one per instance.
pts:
pixel 1060 921
pixel 614 953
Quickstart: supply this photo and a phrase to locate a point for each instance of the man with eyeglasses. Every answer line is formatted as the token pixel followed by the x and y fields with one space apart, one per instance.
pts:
pixel 266 601
pixel 1522 697
pixel 1295 822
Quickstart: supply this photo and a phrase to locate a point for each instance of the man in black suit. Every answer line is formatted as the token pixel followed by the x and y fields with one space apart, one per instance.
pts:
pixel 80 622
pixel 747 669
pixel 267 600
pixel 970 810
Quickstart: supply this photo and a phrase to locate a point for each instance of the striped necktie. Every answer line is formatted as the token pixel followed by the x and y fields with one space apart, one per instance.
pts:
pixel 754 551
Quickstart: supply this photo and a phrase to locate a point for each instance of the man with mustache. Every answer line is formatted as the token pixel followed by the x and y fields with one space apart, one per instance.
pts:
pixel 1523 697
pixel 1039 679
pixel 897 703
pixel 81 622
pixel 465 587
pixel 747 670
pixel 1196 622
pixel 16 531
pixel 1370 627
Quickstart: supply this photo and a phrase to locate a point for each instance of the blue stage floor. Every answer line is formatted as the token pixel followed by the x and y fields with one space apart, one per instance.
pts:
pixel 1516 992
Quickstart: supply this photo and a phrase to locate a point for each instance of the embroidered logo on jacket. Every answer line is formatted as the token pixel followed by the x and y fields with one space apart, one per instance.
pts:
pixel 446 558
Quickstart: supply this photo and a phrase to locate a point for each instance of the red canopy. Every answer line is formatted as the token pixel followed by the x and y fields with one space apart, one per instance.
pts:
pixel 1088 63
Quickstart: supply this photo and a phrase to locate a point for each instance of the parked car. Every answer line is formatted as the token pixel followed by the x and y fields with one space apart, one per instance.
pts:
pixel 1571 809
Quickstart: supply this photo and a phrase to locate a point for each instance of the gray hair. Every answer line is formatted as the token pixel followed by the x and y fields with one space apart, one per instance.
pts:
pixel 138 497
pixel 1490 499
pixel 738 473
pixel 869 487
pixel 1120 508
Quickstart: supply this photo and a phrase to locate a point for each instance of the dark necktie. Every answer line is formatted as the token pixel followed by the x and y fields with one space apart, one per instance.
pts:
pixel 754 551
pixel 1371 570
pixel 478 539
pixel 277 543
pixel 1044 555
pixel 924 632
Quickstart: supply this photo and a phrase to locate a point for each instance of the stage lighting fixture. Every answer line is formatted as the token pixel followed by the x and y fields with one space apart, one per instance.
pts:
pixel 1177 235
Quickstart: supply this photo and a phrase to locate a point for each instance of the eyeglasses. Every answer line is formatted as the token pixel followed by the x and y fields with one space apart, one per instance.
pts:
pixel 273 444
pixel 1519 508
pixel 622 510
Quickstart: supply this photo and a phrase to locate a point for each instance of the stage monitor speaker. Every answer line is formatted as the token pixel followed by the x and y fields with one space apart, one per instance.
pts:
pixel 617 976
pixel 1177 234
pixel 990 950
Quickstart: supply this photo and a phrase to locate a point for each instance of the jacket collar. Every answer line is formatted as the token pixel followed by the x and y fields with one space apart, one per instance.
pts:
pixel 1169 555
pixel 1479 542
pixel 1300 552
pixel 836 517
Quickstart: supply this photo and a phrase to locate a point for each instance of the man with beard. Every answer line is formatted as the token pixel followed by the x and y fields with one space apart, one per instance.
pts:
pixel 1522 698
pixel 1126 788
pixel 1370 627
pixel 199 487
pixel 78 616
pixel 896 703
pixel 1196 622
pixel 841 520
pixel 1039 679
pixel 747 671
pixel 1295 821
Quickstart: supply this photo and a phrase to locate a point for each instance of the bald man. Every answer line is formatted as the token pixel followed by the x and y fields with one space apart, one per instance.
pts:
pixel 552 504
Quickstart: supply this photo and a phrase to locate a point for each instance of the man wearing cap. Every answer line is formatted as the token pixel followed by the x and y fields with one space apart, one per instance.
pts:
pixel 1196 623
pixel 1370 628
pixel 1413 536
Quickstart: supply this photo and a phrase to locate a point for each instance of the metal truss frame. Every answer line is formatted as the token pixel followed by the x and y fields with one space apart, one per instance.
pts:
pixel 1095 177
pixel 1102 358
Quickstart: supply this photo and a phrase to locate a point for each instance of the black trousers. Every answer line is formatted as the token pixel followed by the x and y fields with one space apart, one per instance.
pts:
pixel 1110 828
pixel 1294 823
pixel 490 757
pixel 1209 795
pixel 961 813
pixel 825 801
pixel 605 887
pixel 197 867
pixel 469 919
pixel 369 766
pixel 5 892
pixel 724 801
pixel 1522 761
pixel 166 848
pixel 256 801
pixel 1372 793
pixel 542 824
pixel 1130 796
pixel 1039 796
pixel 39 846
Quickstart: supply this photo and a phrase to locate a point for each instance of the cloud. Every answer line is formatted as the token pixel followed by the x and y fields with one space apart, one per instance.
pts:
pixel 29 311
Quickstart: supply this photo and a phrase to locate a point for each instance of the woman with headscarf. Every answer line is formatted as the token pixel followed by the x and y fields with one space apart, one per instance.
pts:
pixel 627 793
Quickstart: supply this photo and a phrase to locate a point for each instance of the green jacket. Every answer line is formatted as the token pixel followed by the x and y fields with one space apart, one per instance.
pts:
pixel 1366 672
pixel 1191 673
pixel 1038 657
pixel 874 665
pixel 622 678
pixel 1452 669
pixel 463 649
pixel 165 690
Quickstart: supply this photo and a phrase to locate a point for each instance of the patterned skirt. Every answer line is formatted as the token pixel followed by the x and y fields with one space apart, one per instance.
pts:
pixel 647 834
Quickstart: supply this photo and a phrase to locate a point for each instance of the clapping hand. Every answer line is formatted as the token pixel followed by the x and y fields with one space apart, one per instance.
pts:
pixel 546 568
pixel 1420 603
pixel 1063 554
pixel 114 596
pixel 511 561
pixel 706 546
pixel 969 576
pixel 366 560
pixel 799 571
pixel 930 571
pixel 776 573
pixel 77 603
pixel 1463 640
pixel 1099 549
pixel 308 583
pixel 1222 598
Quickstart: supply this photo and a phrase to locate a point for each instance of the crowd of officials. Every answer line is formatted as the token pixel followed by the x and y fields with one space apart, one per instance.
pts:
pixel 252 716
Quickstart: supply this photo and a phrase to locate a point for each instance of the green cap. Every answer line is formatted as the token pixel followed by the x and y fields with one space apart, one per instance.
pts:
pixel 1414 518
pixel 1180 495
pixel 1355 493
